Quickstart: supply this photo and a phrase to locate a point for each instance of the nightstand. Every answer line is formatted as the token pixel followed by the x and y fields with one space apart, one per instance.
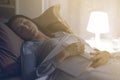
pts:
pixel 111 46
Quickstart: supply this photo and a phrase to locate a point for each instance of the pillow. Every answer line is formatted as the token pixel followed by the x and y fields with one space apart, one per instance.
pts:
pixel 10 45
pixel 25 28
pixel 50 21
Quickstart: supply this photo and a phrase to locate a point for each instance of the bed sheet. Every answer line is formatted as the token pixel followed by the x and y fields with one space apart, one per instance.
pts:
pixel 109 71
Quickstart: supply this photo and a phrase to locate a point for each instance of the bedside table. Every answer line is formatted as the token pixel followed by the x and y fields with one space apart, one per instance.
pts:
pixel 111 46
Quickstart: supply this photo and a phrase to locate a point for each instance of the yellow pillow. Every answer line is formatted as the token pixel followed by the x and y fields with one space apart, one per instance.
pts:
pixel 50 21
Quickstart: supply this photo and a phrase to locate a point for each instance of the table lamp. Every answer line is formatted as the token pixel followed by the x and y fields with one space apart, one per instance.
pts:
pixel 98 23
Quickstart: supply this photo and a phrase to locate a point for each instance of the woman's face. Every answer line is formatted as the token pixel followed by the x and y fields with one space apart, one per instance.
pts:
pixel 26 27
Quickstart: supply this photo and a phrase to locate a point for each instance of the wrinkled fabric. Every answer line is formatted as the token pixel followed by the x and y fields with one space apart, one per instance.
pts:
pixel 28 59
pixel 59 45
pixel 37 56
pixel 33 53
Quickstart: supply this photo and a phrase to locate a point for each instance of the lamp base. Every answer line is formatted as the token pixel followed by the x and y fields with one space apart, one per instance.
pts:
pixel 97 37
pixel 97 40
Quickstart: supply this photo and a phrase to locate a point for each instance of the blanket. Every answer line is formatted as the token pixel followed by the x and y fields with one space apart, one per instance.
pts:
pixel 37 56
pixel 43 66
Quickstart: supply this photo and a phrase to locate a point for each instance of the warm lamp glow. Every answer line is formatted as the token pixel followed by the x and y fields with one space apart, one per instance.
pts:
pixel 98 23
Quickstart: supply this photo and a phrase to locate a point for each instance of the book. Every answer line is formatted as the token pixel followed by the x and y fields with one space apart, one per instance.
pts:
pixel 75 65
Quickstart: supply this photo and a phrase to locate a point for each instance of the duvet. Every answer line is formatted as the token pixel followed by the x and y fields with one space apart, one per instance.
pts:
pixel 44 69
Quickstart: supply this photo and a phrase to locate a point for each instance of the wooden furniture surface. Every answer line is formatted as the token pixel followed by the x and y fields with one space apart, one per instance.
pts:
pixel 7 8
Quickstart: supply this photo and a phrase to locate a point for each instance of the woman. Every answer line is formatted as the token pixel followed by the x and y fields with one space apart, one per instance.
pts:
pixel 39 52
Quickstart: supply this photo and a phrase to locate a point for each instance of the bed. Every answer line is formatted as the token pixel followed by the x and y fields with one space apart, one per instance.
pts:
pixel 11 41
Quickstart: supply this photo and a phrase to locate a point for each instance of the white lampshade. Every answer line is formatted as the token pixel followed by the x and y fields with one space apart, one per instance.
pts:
pixel 98 23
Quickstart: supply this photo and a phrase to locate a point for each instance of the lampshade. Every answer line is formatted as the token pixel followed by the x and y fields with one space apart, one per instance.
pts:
pixel 98 22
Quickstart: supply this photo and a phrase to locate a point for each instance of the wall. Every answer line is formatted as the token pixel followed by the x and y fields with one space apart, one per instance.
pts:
pixel 78 13
pixel 112 7
pixel 30 8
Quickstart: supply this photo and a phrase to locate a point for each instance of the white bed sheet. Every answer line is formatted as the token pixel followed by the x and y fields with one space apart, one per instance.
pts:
pixel 109 71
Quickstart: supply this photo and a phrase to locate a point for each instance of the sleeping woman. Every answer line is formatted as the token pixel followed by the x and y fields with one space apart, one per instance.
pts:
pixel 41 55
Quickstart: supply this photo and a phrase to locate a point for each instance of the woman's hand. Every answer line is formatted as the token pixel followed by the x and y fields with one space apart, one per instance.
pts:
pixel 72 50
pixel 100 59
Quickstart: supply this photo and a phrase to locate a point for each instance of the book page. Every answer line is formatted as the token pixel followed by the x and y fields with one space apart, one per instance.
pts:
pixel 75 65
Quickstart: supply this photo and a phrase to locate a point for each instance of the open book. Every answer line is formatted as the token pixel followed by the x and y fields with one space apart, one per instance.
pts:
pixel 75 65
